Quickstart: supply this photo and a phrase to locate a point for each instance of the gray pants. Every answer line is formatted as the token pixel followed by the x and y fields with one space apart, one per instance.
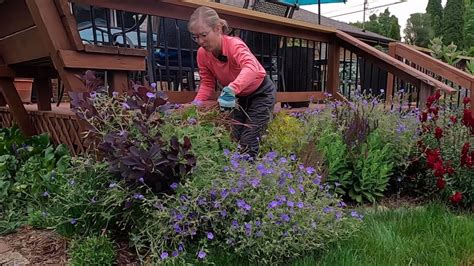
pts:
pixel 257 111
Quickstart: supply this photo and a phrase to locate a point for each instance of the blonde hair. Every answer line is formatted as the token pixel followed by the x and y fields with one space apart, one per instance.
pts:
pixel 210 17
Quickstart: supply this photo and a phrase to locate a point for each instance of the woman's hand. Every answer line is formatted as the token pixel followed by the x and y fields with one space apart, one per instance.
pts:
pixel 227 98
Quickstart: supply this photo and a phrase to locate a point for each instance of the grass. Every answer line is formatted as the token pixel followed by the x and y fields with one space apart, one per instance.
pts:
pixel 425 235
pixel 428 235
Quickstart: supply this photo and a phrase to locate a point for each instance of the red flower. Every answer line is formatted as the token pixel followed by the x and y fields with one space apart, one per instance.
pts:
pixel 467 119
pixel 424 116
pixel 453 119
pixel 437 95
pixel 466 100
pixel 431 99
pixel 440 183
pixel 456 197
pixel 438 132
pixel 438 169
pixel 434 110
pixel 465 148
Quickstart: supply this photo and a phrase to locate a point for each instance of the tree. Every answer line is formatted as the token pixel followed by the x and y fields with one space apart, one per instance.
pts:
pixel 383 24
pixel 469 27
pixel 435 10
pixel 453 22
pixel 418 30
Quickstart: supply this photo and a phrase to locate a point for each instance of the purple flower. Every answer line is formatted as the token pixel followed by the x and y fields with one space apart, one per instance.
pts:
pixel 226 152
pixel 235 224
pixel 290 204
pixel 153 85
pixel 270 215
pixel 283 160
pixel 272 204
pixel 180 247
pixel 112 185
pixel 223 213
pixel 46 194
pixel 164 255
pixel 310 170
pixel 301 188
pixel 177 228
pixel 141 180
pixel 338 215
pixel 210 235
pixel 93 200
pixel 138 196
pixel 354 214
pixel 224 193
pixel 327 209
pixel 73 221
pixel 174 186
pixel 115 94
pixel 291 190
pixel 192 121
pixel 300 205
pixel 341 204
pixel 201 255
pixel 293 157
pixel 125 106
pixel 151 95
pixel 285 217
pixel 175 253
pixel 255 182
pixel 179 216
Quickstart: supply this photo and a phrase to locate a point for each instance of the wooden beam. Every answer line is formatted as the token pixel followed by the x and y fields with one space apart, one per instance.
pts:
pixel 22 46
pixel 334 55
pixel 42 86
pixel 436 66
pixel 14 17
pixel 17 109
pixel 69 23
pixel 390 64
pixel 120 81
pixel 6 71
pixel 54 37
pixel 236 17
pixel 73 59
pixel 188 96
pixel 390 78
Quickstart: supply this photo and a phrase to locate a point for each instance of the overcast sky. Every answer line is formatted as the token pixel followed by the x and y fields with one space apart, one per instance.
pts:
pixel 402 10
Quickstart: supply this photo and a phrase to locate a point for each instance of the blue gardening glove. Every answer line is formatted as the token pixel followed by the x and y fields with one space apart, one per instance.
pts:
pixel 227 99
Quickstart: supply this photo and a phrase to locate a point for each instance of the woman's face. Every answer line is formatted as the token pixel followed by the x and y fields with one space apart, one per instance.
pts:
pixel 207 37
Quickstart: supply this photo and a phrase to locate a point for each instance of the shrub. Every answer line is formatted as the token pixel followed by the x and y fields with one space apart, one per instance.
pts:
pixel 445 150
pixel 285 135
pixel 92 251
pixel 128 129
pixel 268 210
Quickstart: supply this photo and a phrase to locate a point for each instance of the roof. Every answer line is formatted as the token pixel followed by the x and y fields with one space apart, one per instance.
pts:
pixel 310 17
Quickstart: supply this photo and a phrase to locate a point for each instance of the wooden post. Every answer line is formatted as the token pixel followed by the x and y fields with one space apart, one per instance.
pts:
pixel 42 86
pixel 389 91
pixel 333 67
pixel 17 109
pixel 120 81
pixel 3 102
pixel 425 92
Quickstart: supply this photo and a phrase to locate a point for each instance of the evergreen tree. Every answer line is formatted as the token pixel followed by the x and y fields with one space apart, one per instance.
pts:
pixel 453 22
pixel 435 10
pixel 383 24
pixel 469 28
pixel 418 30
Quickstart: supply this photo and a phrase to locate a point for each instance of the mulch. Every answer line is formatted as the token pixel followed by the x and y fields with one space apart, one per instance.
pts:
pixel 41 247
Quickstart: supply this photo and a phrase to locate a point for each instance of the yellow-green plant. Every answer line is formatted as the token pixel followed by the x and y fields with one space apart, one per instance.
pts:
pixel 286 135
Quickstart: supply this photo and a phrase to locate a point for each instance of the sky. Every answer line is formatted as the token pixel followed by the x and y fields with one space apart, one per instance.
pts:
pixel 402 10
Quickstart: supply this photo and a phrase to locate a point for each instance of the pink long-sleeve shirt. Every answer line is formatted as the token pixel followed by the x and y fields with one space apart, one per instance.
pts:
pixel 242 71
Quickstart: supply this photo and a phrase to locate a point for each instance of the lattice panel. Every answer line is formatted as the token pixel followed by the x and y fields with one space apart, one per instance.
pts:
pixel 62 128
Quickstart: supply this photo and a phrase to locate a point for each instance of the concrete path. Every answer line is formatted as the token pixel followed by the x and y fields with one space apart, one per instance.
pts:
pixel 10 257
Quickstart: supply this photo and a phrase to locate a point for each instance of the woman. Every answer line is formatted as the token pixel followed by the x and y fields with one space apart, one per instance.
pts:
pixel 229 61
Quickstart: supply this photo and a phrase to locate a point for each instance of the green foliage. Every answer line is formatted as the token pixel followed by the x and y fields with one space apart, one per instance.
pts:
pixel 383 24
pixel 335 153
pixel 268 211
pixel 470 66
pixel 469 27
pixel 453 22
pixel 435 11
pixel 418 235
pixel 418 30
pixel 372 169
pixel 285 135
pixel 92 251
pixel 448 54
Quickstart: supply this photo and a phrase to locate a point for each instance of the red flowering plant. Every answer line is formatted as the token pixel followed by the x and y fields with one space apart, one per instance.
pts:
pixel 446 150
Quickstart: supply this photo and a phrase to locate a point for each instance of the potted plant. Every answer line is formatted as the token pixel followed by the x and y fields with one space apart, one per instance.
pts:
pixel 23 87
